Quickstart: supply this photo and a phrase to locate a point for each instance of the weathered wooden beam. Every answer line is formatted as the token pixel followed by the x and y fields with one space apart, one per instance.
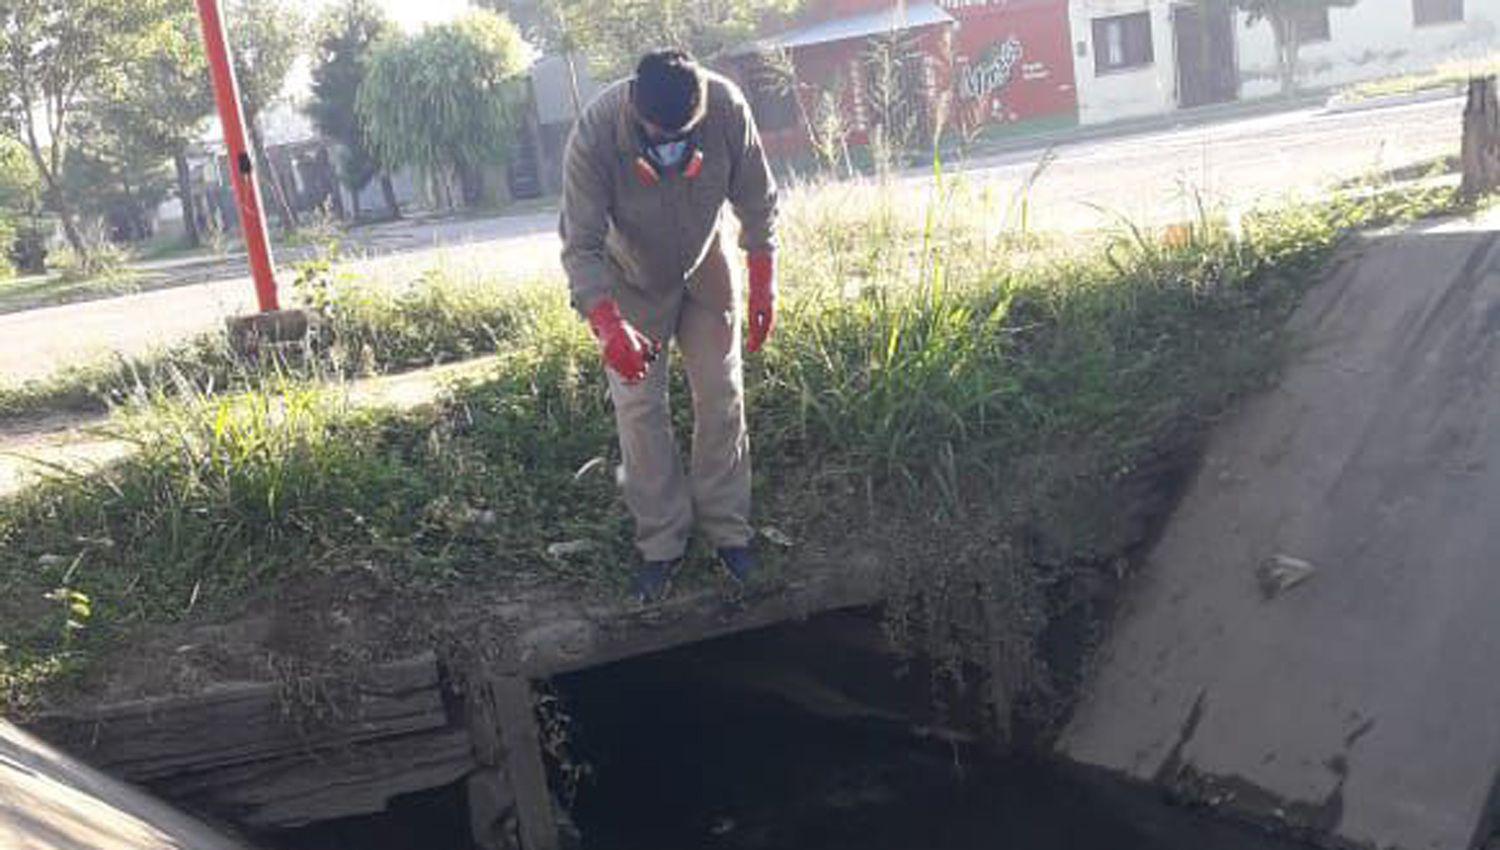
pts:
pixel 566 635
pixel 492 810
pixel 240 723
pixel 293 791
pixel 256 754
pixel 515 709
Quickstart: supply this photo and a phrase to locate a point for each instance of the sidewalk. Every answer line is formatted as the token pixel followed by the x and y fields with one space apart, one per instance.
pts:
pixel 1127 127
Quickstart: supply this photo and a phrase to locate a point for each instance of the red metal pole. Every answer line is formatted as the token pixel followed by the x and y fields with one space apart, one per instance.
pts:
pixel 241 163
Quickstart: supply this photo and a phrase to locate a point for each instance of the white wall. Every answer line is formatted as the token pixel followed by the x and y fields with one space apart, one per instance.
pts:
pixel 1113 95
pixel 1374 38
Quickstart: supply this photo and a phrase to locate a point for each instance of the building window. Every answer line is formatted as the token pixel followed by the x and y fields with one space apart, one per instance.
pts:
pixel 1429 12
pixel 1309 25
pixel 1122 42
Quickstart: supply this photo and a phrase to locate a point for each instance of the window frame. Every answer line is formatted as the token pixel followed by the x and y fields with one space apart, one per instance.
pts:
pixel 1323 24
pixel 1099 30
pixel 1437 13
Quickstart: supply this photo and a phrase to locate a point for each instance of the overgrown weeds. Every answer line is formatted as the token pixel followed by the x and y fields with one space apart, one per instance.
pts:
pixel 367 328
pixel 928 393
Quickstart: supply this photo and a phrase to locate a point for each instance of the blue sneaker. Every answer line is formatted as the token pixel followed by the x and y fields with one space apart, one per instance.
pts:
pixel 740 562
pixel 653 580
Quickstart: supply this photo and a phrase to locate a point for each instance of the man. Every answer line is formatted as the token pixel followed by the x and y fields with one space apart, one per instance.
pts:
pixel 649 168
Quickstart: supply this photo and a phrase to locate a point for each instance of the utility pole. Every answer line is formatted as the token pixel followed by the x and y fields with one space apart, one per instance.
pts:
pixel 272 323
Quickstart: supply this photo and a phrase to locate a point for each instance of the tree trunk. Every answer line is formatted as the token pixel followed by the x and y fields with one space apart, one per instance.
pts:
pixel 189 202
pixel 132 223
pixel 573 84
pixel 1481 141
pixel 56 198
pixel 470 184
pixel 1288 44
pixel 272 179
pixel 389 191
pixel 70 227
pixel 330 178
pixel 354 202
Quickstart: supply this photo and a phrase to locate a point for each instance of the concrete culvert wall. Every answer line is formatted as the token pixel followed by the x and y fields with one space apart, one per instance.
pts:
pixel 1311 643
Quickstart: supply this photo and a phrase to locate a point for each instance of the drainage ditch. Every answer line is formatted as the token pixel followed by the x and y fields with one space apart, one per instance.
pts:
pixel 806 736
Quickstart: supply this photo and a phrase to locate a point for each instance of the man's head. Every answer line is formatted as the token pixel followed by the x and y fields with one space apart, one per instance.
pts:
pixel 670 94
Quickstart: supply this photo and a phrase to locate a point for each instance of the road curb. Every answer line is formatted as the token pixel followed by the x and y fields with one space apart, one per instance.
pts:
pixel 1345 107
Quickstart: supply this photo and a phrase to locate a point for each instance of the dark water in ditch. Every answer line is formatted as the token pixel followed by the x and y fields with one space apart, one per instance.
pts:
pixel 682 765
pixel 677 763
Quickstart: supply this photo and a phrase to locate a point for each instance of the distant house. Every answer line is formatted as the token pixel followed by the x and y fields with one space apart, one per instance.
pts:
pixel 966 64
pixel 1013 63
pixel 787 74
pixel 1146 57
pixel 536 167
pixel 1375 38
pixel 303 162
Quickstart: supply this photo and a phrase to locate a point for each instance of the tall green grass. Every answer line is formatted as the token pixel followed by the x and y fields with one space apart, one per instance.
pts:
pixel 927 392
pixel 366 327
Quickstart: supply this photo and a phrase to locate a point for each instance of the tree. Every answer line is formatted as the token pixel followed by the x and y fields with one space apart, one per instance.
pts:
pixel 1286 18
pixel 20 184
pixel 445 101
pixel 22 246
pixel 158 103
pixel 346 35
pixel 116 172
pixel 614 33
pixel 52 52
pixel 266 38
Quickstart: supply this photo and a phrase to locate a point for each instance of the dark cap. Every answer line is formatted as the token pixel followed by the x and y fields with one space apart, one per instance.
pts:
pixel 670 90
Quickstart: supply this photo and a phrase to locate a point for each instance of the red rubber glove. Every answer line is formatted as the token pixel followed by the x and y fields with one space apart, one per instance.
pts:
pixel 762 298
pixel 626 350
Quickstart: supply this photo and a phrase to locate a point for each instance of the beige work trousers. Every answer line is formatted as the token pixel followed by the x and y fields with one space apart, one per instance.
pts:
pixel 715 491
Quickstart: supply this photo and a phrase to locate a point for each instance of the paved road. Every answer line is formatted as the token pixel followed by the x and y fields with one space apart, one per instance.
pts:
pixel 1143 177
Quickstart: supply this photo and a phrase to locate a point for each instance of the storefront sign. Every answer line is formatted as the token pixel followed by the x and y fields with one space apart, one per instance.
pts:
pixel 992 72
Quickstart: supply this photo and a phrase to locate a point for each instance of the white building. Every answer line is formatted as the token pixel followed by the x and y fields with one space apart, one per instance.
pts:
pixel 1137 58
pixel 1372 39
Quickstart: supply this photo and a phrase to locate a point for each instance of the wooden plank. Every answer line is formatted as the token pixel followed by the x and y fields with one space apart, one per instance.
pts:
pixel 568 635
pixel 492 809
pixel 49 801
pixel 296 790
pixel 240 723
pixel 516 711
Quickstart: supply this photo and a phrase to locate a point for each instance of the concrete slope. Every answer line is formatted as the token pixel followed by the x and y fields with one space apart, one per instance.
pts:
pixel 1363 703
pixel 50 802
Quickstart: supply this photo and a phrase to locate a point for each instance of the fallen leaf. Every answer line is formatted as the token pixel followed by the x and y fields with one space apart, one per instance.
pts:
pixel 1281 573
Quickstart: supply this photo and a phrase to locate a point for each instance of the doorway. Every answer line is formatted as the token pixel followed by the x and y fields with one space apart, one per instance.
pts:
pixel 1207 72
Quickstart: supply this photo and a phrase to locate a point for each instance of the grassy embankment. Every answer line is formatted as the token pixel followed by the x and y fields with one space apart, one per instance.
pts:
pixel 940 387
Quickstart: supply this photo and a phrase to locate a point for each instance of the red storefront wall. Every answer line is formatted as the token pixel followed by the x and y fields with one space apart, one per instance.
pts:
pixel 1005 62
pixel 1013 61
pixel 821 67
